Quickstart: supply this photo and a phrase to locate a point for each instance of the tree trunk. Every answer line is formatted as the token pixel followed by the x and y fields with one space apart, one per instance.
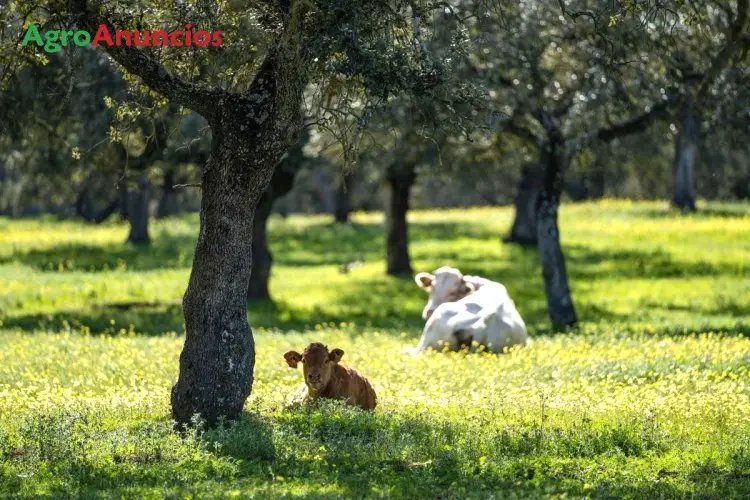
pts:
pixel 559 301
pixel 250 134
pixel 217 360
pixel 122 190
pixel 324 192
pixel 281 183
pixel 342 198
pixel 138 202
pixel 168 201
pixel 686 149
pixel 523 230
pixel 397 236
pixel 262 258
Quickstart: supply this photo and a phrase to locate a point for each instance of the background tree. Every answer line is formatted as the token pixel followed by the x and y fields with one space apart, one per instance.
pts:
pixel 563 83
pixel 281 183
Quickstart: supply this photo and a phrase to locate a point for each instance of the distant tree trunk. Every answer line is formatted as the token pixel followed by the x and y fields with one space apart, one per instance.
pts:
pixel 168 200
pixel 400 179
pixel 523 230
pixel 686 150
pixel 262 258
pixel 597 181
pixel 122 191
pixel 281 183
pixel 138 202
pixel 324 192
pixel 553 160
pixel 342 198
pixel 741 188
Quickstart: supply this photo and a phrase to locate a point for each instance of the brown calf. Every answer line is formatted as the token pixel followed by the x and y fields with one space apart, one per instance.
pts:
pixel 326 378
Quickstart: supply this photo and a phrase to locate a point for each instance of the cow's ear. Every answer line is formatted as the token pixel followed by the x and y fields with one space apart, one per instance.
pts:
pixel 467 287
pixel 336 355
pixel 292 358
pixel 424 280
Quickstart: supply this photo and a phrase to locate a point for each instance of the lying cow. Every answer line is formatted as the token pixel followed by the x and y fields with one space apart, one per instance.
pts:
pixel 326 378
pixel 465 309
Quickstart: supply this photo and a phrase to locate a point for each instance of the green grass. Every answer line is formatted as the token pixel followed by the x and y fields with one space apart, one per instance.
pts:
pixel 649 397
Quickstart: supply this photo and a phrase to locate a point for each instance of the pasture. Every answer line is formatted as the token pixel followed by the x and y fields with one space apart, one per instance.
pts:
pixel 648 397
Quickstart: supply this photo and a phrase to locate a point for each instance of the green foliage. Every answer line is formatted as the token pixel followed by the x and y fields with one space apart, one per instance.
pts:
pixel 648 398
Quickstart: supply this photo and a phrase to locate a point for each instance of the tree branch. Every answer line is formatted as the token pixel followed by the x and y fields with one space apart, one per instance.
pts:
pixel 138 62
pixel 735 42
pixel 522 132
pixel 635 124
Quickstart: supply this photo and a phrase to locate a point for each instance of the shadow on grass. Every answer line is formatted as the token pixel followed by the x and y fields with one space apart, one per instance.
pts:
pixel 409 456
pixel 731 211
pixel 587 263
pixel 151 319
pixel 328 449
pixel 165 252
pixel 312 244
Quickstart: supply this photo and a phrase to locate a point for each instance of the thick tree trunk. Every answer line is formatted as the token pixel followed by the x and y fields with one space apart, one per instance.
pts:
pixel 262 258
pixel 397 235
pixel 685 152
pixel 217 361
pixel 250 134
pixel 138 202
pixel 342 198
pixel 524 230
pixel 168 201
pixel 559 301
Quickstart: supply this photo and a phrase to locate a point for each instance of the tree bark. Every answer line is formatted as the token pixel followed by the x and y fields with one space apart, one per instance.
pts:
pixel 553 160
pixel 342 198
pixel 686 150
pixel 400 180
pixel 524 230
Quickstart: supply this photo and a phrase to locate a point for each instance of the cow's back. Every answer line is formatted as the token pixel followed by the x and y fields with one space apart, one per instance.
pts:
pixel 499 323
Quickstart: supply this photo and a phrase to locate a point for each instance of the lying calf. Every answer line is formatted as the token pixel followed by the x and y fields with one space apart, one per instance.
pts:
pixel 326 378
pixel 465 309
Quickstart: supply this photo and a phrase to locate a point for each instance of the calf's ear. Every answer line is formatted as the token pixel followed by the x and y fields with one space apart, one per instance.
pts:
pixel 424 280
pixel 336 355
pixel 467 287
pixel 292 358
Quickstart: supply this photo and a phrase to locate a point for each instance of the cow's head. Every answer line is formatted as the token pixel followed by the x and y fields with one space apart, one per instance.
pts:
pixel 317 364
pixel 447 284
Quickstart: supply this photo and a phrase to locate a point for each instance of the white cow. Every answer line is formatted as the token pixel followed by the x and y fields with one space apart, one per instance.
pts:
pixel 462 309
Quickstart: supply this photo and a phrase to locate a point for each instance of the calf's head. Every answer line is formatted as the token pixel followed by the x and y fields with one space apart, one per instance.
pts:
pixel 447 284
pixel 317 364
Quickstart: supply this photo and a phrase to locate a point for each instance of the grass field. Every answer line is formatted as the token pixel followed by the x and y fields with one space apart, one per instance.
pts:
pixel 649 397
